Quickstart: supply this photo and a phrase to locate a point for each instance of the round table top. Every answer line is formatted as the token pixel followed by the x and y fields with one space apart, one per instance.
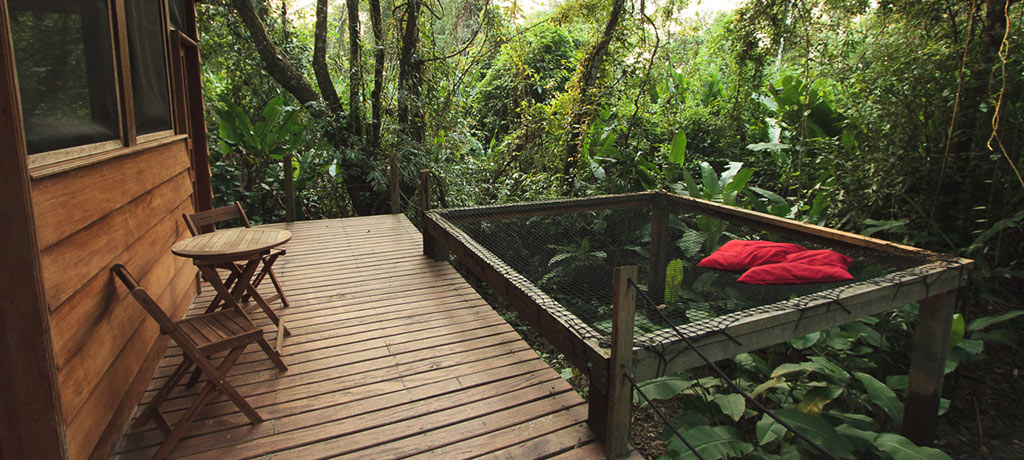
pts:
pixel 230 243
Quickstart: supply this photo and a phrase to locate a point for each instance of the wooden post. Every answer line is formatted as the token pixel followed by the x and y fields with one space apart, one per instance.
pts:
pixel 609 410
pixel 432 246
pixel 425 190
pixel 659 249
pixel 289 189
pixel 927 367
pixel 394 184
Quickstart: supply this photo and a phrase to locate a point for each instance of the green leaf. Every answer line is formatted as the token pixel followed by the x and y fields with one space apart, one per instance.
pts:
pixel 712 442
pixel 794 370
pixel 978 324
pixel 678 153
pixel 805 341
pixel 768 430
pixel 673 280
pixel 897 382
pixel 901 448
pixel 818 430
pixel 691 184
pixel 662 388
pixel 860 440
pixel 831 370
pixel 957 329
pixel 816 398
pixel 859 421
pixel 775 382
pixel 732 405
pixel 882 396
pixel 710 179
pixel 751 363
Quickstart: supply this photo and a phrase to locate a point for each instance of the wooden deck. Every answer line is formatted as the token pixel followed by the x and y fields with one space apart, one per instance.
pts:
pixel 392 355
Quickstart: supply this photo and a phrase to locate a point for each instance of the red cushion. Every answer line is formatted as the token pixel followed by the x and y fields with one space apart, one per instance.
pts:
pixel 739 255
pixel 794 273
pixel 819 257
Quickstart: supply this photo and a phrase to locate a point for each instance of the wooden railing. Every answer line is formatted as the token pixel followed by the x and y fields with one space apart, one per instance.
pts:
pixel 610 392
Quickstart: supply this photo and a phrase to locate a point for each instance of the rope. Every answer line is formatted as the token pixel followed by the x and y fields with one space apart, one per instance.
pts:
pixel 732 385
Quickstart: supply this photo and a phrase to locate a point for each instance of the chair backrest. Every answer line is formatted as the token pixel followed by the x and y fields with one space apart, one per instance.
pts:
pixel 203 221
pixel 167 326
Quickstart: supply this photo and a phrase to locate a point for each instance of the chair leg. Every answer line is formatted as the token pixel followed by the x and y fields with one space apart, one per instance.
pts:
pixel 152 410
pixel 216 382
pixel 194 379
pixel 274 356
pixel 277 285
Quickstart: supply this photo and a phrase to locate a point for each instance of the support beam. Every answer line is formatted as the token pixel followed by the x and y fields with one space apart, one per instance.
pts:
pixel 927 367
pixel 659 249
pixel 432 246
pixel 394 184
pixel 609 410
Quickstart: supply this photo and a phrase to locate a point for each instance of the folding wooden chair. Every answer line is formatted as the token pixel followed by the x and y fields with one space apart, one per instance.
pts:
pixel 203 222
pixel 200 338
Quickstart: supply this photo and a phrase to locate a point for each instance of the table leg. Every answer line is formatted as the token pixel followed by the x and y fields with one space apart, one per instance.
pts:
pixel 228 283
pixel 244 284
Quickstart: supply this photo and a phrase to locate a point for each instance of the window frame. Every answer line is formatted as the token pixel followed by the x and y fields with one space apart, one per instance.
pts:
pixel 127 136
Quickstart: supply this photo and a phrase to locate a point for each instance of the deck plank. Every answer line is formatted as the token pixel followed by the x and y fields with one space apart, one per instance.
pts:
pixel 392 355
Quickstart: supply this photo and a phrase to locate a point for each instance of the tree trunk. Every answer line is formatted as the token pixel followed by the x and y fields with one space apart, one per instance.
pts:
pixel 378 77
pixel 589 72
pixel 355 74
pixel 967 164
pixel 289 189
pixel 289 77
pixel 323 76
pixel 410 76
pixel 274 62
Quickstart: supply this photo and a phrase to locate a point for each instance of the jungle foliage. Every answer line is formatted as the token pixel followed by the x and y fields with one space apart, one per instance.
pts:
pixel 894 118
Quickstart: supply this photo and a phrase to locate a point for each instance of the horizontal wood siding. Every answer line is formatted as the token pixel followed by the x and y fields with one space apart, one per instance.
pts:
pixel 125 210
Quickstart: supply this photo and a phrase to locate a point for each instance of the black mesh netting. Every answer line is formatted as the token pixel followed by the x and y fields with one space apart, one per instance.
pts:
pixel 569 256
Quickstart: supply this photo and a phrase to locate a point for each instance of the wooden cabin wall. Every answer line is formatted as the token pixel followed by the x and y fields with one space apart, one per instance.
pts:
pixel 124 210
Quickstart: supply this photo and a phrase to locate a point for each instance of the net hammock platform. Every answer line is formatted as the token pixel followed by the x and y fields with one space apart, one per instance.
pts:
pixel 553 261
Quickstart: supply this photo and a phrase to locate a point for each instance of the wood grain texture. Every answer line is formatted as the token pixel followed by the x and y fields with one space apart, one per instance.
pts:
pixel 101 344
pixel 231 242
pixel 774 325
pixel 390 356
pixel 94 417
pixel 927 368
pixel 92 307
pixel 30 419
pixel 67 202
pixel 545 314
pixel 70 263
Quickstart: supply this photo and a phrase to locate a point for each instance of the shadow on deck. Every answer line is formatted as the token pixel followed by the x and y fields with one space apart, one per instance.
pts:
pixel 392 355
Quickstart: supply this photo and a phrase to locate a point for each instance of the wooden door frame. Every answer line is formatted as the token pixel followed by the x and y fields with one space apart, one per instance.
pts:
pixel 31 425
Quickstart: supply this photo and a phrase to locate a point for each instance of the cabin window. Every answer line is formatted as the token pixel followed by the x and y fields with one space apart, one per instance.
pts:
pixel 150 99
pixel 85 88
pixel 65 66
pixel 176 14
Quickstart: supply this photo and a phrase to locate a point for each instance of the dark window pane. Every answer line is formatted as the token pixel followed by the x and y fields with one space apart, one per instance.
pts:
pixel 65 64
pixel 176 11
pixel 149 69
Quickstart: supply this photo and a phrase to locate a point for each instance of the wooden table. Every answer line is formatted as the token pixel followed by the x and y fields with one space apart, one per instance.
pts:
pixel 222 249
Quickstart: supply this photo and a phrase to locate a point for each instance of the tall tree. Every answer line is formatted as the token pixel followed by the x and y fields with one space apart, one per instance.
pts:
pixel 410 76
pixel 376 96
pixel 341 133
pixel 587 77
pixel 355 72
